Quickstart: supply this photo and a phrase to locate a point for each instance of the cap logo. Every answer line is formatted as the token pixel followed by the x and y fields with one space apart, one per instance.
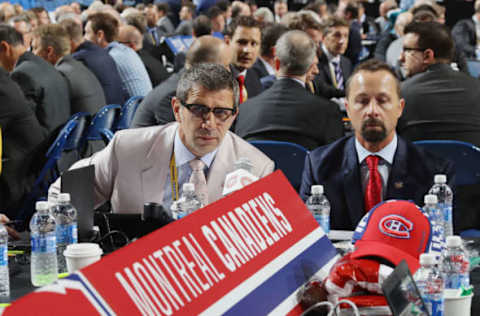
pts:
pixel 395 226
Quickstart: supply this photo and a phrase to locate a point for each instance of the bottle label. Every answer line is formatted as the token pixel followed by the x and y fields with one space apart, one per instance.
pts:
pixel 434 304
pixel 73 233
pixel 62 233
pixel 324 221
pixel 457 280
pixel 44 243
pixel 3 256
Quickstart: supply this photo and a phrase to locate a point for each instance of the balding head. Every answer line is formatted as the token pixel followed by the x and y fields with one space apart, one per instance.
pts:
pixel 130 36
pixel 295 52
pixel 208 49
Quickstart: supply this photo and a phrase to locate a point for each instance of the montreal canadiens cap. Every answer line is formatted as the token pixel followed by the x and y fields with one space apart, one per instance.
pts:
pixel 393 230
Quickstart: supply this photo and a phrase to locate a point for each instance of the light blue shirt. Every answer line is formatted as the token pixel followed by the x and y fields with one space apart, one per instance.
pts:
pixel 384 164
pixel 131 69
pixel 182 158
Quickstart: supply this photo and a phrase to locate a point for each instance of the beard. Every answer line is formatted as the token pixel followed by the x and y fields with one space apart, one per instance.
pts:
pixel 370 131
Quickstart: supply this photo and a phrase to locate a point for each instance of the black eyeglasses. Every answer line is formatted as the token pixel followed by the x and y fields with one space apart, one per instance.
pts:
pixel 202 111
pixel 414 49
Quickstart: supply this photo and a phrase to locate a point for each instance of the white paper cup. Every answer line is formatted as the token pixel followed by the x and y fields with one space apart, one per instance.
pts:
pixel 456 305
pixel 81 255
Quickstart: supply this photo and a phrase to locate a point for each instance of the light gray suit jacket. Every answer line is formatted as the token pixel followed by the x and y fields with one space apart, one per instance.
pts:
pixel 133 168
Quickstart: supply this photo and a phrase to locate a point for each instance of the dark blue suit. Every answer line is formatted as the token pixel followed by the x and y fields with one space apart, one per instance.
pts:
pixel 336 167
pixel 104 68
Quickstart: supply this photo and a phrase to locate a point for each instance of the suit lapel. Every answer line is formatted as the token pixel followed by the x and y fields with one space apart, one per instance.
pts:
pixel 352 185
pixel 398 181
pixel 154 174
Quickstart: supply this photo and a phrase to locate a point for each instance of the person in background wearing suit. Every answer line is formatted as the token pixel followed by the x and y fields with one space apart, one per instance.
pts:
pixel 155 109
pixel 287 111
pixel 375 164
pixel 465 34
pixel 95 58
pixel 186 15
pixel 51 42
pixel 135 167
pixel 42 85
pixel 244 37
pixel 159 25
pixel 334 68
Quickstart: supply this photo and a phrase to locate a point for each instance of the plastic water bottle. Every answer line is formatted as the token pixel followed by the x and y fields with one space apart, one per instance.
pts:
pixel 66 227
pixel 318 204
pixel 456 266
pixel 445 198
pixel 187 203
pixel 430 284
pixel 435 216
pixel 44 246
pixel 4 276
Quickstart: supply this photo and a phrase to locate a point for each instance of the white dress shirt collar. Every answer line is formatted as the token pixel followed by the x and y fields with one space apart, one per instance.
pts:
pixel 387 153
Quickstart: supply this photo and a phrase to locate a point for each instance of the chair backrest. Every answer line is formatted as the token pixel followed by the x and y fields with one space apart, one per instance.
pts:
pixel 473 67
pixel 73 141
pixel 103 119
pixel 465 156
pixel 127 113
pixel 288 157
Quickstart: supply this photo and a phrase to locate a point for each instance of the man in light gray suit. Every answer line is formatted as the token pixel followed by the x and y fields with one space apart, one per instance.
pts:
pixel 135 167
pixel 52 43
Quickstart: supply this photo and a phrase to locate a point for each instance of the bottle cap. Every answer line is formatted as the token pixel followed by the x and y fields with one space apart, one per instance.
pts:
pixel 430 199
pixel 42 206
pixel 317 189
pixel 427 258
pixel 188 187
pixel 440 178
pixel 454 241
pixel 64 197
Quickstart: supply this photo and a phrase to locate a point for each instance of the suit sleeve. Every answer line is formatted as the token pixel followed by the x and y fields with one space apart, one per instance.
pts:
pixel 33 93
pixel 307 178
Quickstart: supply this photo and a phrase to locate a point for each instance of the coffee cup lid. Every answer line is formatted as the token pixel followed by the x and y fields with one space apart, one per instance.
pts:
pixel 82 250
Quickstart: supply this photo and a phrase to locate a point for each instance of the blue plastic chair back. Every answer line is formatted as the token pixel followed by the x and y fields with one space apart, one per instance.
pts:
pixel 74 140
pixel 103 119
pixel 288 157
pixel 465 156
pixel 473 67
pixel 127 113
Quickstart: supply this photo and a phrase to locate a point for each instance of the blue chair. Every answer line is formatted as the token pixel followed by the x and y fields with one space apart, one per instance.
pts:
pixel 288 157
pixel 94 139
pixel 466 158
pixel 127 113
pixel 473 67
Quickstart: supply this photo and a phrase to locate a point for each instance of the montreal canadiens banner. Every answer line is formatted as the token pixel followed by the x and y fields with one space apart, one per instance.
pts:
pixel 246 254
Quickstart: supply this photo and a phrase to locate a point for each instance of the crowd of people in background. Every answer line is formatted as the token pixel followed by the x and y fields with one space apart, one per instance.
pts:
pixel 78 59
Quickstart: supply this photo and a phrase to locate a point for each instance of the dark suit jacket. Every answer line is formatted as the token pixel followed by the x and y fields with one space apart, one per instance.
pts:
pixel 287 112
pixel 336 167
pixel 21 133
pixel 104 68
pixel 441 94
pixel 325 74
pixel 252 81
pixel 465 37
pixel 156 70
pixel 45 88
pixel 86 93
pixel 156 108
pixel 354 43
pixel 259 69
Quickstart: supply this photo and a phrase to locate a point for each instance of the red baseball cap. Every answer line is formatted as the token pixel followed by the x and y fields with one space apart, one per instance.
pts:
pixel 393 230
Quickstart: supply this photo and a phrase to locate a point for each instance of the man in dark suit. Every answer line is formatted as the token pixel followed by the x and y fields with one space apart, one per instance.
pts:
pixel 244 36
pixel 360 171
pixel 41 84
pixel 21 134
pixel 95 58
pixel 434 92
pixel 334 68
pixel 465 34
pixel 131 36
pixel 156 107
pixel 287 111
pixel 51 42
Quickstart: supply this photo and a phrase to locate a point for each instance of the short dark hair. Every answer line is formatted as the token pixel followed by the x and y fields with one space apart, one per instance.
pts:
pixel 434 36
pixel 162 6
pixel 73 29
pixel 202 25
pixel 270 36
pixel 223 5
pixel 10 35
pixel 38 10
pixel 372 65
pixel 334 22
pixel 137 20
pixel 105 22
pixel 304 22
pixel 351 8
pixel 425 7
pixel 243 20
pixel 190 6
pixel 214 11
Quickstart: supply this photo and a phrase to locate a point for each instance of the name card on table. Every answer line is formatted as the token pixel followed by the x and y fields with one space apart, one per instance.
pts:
pixel 246 254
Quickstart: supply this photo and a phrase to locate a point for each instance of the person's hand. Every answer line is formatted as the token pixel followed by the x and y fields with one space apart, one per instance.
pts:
pixel 12 232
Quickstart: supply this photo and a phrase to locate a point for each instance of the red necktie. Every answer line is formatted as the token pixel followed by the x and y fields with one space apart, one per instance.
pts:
pixel 241 87
pixel 373 192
